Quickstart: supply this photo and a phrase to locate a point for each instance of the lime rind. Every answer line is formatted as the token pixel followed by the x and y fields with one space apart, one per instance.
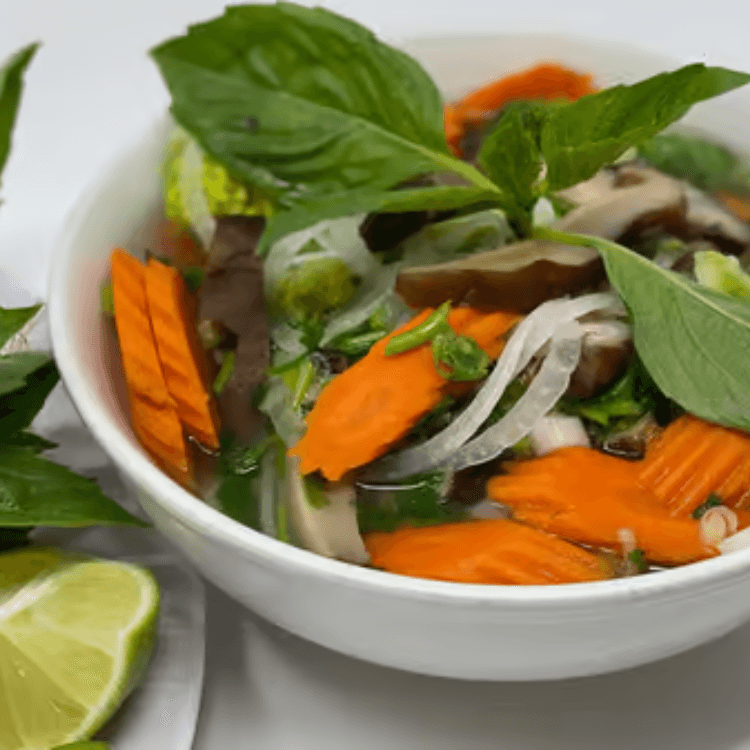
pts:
pixel 130 646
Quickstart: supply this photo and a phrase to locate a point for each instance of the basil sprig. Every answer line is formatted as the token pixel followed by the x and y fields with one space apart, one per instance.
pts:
pixel 314 110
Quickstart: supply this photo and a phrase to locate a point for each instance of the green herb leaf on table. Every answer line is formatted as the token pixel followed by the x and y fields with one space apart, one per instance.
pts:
pixel 579 138
pixel 11 85
pixel 37 492
pixel 693 341
pixel 18 407
pixel 13 320
pixel 17 368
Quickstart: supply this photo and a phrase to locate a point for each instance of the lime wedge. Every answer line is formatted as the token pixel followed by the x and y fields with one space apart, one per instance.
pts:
pixel 76 634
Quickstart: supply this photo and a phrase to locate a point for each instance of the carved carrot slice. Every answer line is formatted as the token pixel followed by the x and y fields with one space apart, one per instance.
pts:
pixel 693 459
pixel 185 371
pixel 363 411
pixel 543 81
pixel 588 497
pixel 153 411
pixel 495 551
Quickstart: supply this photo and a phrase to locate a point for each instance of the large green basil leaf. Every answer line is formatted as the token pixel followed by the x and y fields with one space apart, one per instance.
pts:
pixel 37 492
pixel 707 165
pixel 302 102
pixel 580 137
pixel 693 341
pixel 11 85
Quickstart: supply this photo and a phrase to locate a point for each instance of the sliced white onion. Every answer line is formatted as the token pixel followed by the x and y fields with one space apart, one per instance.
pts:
pixel 717 524
pixel 526 340
pixel 738 541
pixel 543 393
pixel 558 431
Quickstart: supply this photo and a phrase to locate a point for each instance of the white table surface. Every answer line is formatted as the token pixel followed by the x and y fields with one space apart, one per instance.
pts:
pixel 90 92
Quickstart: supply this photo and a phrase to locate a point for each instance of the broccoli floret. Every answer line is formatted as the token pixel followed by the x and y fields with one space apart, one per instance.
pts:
pixel 315 287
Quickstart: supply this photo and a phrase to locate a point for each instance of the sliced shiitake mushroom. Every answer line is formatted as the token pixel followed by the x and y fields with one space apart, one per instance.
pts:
pixel 523 275
pixel 606 349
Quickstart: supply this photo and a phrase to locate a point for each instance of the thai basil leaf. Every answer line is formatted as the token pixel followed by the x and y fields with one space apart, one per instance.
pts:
pixel 11 85
pixel 578 138
pixel 511 155
pixel 693 341
pixel 37 492
pixel 15 369
pixel 28 440
pixel 706 165
pixel 19 407
pixel 13 320
pixel 302 102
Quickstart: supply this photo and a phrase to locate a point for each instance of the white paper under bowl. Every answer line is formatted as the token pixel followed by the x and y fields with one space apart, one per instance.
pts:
pixel 453 630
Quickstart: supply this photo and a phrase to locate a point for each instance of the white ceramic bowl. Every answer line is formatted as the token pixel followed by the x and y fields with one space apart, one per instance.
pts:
pixel 453 630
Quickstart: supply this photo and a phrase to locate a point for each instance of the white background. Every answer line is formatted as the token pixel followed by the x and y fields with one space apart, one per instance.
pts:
pixel 91 91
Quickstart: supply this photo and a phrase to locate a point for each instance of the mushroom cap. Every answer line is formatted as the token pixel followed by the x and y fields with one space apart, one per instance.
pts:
pixel 522 275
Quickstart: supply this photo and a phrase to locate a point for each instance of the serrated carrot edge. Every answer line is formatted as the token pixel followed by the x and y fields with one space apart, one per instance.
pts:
pixel 153 412
pixel 185 372
pixel 495 551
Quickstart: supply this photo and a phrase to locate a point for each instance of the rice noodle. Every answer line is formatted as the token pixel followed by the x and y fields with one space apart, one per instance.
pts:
pixel 543 393
pixel 529 336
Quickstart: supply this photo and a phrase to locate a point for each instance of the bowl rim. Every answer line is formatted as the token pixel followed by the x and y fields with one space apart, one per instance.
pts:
pixel 205 520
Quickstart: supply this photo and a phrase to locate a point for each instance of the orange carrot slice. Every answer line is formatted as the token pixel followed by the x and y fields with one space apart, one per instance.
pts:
pixel 588 497
pixel 172 319
pixel 153 412
pixel 692 459
pixel 179 245
pixel 495 551
pixel 363 411
pixel 543 81
pixel 739 205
